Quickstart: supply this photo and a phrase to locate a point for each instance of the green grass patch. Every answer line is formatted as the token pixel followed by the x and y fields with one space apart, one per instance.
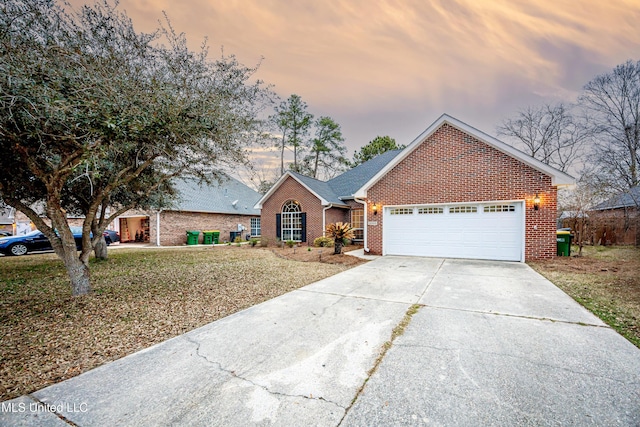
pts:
pixel 605 280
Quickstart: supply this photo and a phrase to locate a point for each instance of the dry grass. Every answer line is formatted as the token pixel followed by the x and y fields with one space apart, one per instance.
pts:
pixel 606 280
pixel 140 298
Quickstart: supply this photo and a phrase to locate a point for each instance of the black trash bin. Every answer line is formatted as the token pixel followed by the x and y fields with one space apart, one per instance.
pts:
pixel 235 234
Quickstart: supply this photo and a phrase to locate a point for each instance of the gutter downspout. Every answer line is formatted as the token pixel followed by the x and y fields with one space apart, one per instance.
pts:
pixel 158 227
pixel 324 219
pixel 364 226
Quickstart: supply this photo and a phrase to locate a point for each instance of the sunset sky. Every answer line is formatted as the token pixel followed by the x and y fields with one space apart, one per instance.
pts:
pixel 392 67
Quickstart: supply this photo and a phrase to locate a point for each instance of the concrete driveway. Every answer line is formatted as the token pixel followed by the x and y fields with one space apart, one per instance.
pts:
pixel 493 344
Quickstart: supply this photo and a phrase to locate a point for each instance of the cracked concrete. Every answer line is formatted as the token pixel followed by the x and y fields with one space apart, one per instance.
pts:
pixel 495 343
pixel 297 359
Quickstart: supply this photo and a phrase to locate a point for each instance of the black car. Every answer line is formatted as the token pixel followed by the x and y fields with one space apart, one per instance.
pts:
pixel 5 234
pixel 111 236
pixel 32 242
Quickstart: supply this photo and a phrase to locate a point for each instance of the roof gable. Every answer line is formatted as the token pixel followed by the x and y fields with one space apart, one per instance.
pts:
pixel 321 189
pixel 558 178
pixel 337 189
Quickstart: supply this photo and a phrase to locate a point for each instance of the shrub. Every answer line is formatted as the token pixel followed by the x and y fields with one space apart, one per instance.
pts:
pixel 264 242
pixel 253 242
pixel 238 239
pixel 340 231
pixel 290 243
pixel 323 242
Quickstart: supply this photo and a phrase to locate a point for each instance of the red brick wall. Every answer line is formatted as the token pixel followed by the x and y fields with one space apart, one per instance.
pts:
pixel 452 166
pixel 337 215
pixel 291 189
pixel 174 225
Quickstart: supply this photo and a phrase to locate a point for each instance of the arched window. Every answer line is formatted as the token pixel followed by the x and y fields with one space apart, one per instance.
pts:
pixel 291 221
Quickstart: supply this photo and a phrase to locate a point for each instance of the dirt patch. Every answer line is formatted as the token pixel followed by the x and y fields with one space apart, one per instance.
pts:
pixel 141 297
pixel 322 255
pixel 606 281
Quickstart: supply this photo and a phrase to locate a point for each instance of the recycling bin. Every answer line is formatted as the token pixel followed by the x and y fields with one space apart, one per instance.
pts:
pixel 563 239
pixel 207 237
pixel 192 237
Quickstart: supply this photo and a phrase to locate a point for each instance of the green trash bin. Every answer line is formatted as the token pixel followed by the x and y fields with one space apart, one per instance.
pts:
pixel 192 237
pixel 207 237
pixel 216 237
pixel 563 239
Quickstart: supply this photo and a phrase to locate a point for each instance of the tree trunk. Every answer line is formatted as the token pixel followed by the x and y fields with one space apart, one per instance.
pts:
pixel 78 274
pixel 315 168
pixel 282 156
pixel 100 249
pixel 337 247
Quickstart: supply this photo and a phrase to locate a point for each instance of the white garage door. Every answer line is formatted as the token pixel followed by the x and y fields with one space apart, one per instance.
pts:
pixel 473 230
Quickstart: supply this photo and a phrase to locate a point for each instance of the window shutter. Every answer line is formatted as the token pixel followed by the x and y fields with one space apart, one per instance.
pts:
pixel 278 225
pixel 303 219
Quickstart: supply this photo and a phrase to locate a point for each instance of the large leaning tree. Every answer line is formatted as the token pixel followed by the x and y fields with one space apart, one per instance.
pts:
pixel 96 118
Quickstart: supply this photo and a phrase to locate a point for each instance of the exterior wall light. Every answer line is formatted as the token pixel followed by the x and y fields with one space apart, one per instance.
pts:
pixel 536 202
pixel 374 208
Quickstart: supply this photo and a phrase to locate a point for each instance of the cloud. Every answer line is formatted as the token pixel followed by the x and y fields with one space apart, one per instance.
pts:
pixel 402 63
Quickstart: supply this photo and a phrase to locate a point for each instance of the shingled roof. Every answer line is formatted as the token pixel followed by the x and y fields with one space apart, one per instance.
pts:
pixel 229 196
pixel 627 199
pixel 342 187
pixel 348 183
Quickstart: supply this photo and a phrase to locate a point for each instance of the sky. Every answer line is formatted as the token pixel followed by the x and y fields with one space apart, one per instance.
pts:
pixel 392 67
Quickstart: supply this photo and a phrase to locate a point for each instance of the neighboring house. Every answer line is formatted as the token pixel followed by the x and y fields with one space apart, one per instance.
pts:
pixel 453 192
pixel 226 206
pixel 7 218
pixel 616 221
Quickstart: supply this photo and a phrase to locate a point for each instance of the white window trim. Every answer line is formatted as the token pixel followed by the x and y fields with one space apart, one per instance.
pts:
pixel 293 217
pixel 252 228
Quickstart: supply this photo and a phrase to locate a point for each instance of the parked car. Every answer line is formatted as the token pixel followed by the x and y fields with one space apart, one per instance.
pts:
pixel 111 236
pixel 32 242
pixel 5 234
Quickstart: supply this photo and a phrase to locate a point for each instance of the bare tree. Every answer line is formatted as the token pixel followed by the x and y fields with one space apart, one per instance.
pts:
pixel 552 134
pixel 613 101
pixel 576 203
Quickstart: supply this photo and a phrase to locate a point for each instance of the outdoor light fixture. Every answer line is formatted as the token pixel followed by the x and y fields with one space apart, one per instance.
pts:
pixel 375 209
pixel 536 202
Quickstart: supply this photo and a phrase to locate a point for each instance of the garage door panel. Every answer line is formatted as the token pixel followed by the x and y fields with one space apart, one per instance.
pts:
pixel 469 231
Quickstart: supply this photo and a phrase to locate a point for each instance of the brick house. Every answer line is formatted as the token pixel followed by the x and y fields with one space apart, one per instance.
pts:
pixel 452 192
pixel 617 220
pixel 226 206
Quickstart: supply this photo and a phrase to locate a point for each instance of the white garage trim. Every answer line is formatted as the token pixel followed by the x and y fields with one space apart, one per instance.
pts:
pixel 480 230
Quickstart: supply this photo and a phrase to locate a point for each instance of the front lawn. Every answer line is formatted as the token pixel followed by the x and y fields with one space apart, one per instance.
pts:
pixel 141 297
pixel 606 280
